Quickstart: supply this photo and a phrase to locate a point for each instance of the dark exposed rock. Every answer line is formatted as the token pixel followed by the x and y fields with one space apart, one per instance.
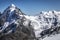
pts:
pixel 19 34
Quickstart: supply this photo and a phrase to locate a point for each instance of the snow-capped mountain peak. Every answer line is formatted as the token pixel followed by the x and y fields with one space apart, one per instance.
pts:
pixel 12 7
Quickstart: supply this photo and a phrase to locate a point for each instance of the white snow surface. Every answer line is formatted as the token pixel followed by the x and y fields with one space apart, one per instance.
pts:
pixel 12 8
pixel 53 37
pixel 44 21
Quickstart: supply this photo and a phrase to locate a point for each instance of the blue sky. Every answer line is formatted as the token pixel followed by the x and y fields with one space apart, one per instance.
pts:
pixel 31 7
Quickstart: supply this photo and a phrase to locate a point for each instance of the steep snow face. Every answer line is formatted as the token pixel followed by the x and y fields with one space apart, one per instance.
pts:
pixel 12 9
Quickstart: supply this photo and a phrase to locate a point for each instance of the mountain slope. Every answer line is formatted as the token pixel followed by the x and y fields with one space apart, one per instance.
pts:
pixel 15 25
pixel 9 16
pixel 46 24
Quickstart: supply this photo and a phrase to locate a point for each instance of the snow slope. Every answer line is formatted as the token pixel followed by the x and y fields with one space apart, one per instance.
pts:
pixel 53 37
pixel 45 22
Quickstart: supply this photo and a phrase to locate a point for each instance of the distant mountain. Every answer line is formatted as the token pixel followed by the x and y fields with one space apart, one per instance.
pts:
pixel 9 15
pixel 15 25
pixel 11 21
pixel 12 8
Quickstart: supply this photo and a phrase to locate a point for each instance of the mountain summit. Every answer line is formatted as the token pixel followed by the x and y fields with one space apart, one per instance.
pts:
pixel 12 5
pixel 12 8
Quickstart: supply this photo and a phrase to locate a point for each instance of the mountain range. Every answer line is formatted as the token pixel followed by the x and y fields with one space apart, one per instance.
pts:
pixel 15 25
